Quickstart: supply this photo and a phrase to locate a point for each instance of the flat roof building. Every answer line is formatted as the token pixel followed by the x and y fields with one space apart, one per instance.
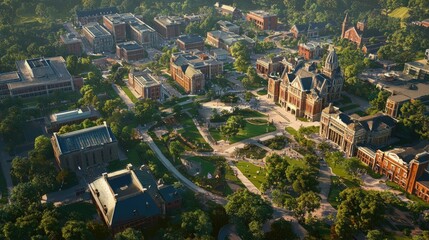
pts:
pixel 84 17
pixel 262 19
pixel 35 77
pixel 145 83
pixel 225 40
pixel 72 44
pixel 130 51
pixel 100 39
pixel 189 42
pixel 55 121
pixel 85 148
pixel 227 26
pixel 132 198
pixel 169 26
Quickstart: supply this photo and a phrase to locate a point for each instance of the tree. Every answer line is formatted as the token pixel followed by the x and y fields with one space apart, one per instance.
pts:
pixel 242 57
pixel 43 146
pixel 379 103
pixel 196 223
pixel 175 149
pixel 413 117
pixel 50 224
pixel 335 157
pixel 20 169
pixel 75 230
pixel 232 126
pixel 218 217
pixel 129 234
pixel 244 206
pixel 255 228
pixel 280 229
pixel 276 170
pixel 146 110
pixel 177 109
pixel 306 204
pixel 353 165
pixel 24 194
pixel 375 235
pixel 72 64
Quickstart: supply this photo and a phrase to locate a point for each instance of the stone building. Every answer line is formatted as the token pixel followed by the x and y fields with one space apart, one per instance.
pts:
pixel 263 20
pixel 191 71
pixel 132 198
pixel 98 37
pixel 349 132
pixel 84 148
pixel 228 10
pixel 145 83
pixel 37 77
pixel 304 91
pixel 406 166
pixel 310 30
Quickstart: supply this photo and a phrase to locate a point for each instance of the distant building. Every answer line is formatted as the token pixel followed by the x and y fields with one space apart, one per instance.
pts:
pixel 225 40
pixel 84 17
pixel 189 42
pixel 132 198
pixel 361 36
pixel 418 69
pixel 349 132
pixel 228 10
pixel 227 26
pixel 72 44
pixel 169 26
pixel 127 26
pixel 309 30
pixel 263 20
pixel 55 121
pixel 407 166
pixel 99 38
pixel 219 54
pixel 310 50
pixel 130 51
pixel 423 23
pixel 145 83
pixel 85 148
pixel 303 91
pixel 36 77
pixel 193 18
pixel 266 66
pixel 191 71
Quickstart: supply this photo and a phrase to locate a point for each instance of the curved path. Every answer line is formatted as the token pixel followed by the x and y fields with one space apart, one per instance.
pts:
pixel 148 139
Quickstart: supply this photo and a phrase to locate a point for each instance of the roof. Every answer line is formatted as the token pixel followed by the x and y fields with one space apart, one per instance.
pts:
pixel 219 51
pixel 310 45
pixel 9 77
pixel 145 78
pixel 191 38
pixel 84 138
pixel 262 13
pixel 96 12
pixel 424 179
pixel 73 115
pixel 96 30
pixel 377 122
pixel 70 38
pixel 310 26
pixel 169 193
pixel 125 196
pixel 129 46
pixel 417 152
pixel 169 20
pixel 228 8
pixel 420 64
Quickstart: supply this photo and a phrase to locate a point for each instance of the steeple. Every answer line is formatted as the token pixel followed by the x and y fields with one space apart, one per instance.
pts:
pixel 345 25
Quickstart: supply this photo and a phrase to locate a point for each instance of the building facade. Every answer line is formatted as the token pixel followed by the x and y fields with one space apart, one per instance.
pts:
pixel 189 42
pixel 84 17
pixel 72 44
pixel 225 40
pixel 132 198
pixel 85 148
pixel 310 30
pixel 130 51
pixel 266 66
pixel 263 20
pixel 191 71
pixel 37 77
pixel 99 38
pixel 360 35
pixel 227 26
pixel 310 50
pixel 407 167
pixel 145 83
pixel 228 10
pixel 169 26
pixel 349 132
pixel 305 92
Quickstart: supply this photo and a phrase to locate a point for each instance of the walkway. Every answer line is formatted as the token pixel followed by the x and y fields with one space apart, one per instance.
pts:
pixel 123 96
pixel 148 139
pixel 324 179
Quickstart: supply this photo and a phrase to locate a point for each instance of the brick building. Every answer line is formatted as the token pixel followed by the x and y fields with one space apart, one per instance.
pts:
pixel 85 148
pixel 227 26
pixel 145 83
pixel 310 50
pixel 303 91
pixel 310 30
pixel 349 132
pixel 189 42
pixel 72 44
pixel 228 10
pixel 132 198
pixel 130 51
pixel 266 66
pixel 98 37
pixel 263 20
pixel 84 17
pixel 36 77
pixel 169 26
pixel 127 26
pixel 407 166
pixel 225 40
pixel 191 71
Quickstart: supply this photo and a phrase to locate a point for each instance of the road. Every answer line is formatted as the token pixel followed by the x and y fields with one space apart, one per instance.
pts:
pixel 148 139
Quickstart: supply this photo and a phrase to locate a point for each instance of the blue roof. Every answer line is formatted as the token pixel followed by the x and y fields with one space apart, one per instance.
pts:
pixel 85 138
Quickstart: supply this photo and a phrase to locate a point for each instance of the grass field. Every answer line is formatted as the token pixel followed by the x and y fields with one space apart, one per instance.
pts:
pixel 401 12
pixel 206 165
pixel 249 131
pixel 341 172
pixel 251 172
pixel 129 94
pixel 191 133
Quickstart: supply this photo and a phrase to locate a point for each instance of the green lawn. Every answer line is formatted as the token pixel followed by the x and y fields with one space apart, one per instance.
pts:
pixel 251 172
pixel 249 131
pixel 296 162
pixel 133 158
pixel 191 133
pixel 334 192
pixel 129 93
pixel 341 172
pixel 409 196
pixel 206 165
pixel 262 92
pixel 292 131
pixel 85 211
pixel 401 12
